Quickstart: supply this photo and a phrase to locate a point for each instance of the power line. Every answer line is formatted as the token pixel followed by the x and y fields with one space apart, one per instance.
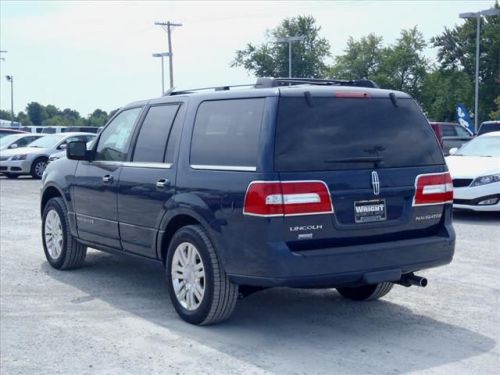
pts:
pixel 168 26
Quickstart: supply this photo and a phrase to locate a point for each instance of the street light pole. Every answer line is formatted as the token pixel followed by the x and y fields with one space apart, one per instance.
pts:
pixel 477 16
pixel 162 55
pixel 11 80
pixel 289 40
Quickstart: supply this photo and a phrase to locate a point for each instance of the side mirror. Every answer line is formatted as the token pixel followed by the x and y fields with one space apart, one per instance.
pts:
pixel 453 150
pixel 14 145
pixel 64 146
pixel 77 151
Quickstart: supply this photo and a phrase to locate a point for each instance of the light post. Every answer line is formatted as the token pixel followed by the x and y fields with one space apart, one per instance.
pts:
pixel 477 16
pixel 11 80
pixel 290 40
pixel 162 55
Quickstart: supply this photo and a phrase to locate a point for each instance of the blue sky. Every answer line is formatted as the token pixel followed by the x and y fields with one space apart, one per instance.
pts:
pixel 86 55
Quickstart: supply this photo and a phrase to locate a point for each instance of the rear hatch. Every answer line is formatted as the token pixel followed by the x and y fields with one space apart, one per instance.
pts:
pixel 368 147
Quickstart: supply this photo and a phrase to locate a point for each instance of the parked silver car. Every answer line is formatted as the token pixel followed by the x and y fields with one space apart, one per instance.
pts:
pixel 17 140
pixel 32 160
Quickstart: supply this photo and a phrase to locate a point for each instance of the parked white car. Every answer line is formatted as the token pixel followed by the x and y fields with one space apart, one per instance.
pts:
pixel 17 140
pixel 475 170
pixel 32 160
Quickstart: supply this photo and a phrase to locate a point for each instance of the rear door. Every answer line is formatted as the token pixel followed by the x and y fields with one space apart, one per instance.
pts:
pixel 368 152
pixel 147 182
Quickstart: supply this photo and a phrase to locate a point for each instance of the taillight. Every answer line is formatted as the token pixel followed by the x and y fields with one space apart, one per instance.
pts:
pixel 287 198
pixel 435 188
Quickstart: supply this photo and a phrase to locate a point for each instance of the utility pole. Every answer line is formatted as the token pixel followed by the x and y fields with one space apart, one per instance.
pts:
pixel 168 26
pixel 11 80
pixel 290 40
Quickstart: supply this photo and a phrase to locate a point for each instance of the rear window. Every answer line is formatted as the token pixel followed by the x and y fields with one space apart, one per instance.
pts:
pixel 488 128
pixel 226 133
pixel 345 133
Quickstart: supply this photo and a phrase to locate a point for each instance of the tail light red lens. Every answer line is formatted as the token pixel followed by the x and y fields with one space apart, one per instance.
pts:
pixel 434 188
pixel 287 198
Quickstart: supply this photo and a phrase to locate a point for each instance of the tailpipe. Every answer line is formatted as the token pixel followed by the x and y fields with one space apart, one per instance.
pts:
pixel 410 279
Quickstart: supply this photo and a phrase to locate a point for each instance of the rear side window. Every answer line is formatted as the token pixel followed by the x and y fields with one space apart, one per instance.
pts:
pixel 346 133
pixel 487 128
pixel 449 131
pixel 226 133
pixel 154 132
pixel 461 132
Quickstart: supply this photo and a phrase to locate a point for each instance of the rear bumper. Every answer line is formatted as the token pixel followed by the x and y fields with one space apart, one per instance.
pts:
pixel 351 265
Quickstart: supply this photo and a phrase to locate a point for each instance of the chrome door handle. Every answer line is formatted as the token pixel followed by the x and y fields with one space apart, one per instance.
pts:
pixel 107 179
pixel 162 183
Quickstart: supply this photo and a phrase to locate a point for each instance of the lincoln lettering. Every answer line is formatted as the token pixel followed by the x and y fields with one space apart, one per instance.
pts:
pixel 305 227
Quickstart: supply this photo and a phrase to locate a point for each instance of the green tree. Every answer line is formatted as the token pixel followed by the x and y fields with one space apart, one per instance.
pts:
pixel 361 59
pixel 442 90
pixel 97 118
pixel 5 115
pixel 403 66
pixel 457 52
pixel 495 115
pixel 36 113
pixel 270 59
pixel 23 118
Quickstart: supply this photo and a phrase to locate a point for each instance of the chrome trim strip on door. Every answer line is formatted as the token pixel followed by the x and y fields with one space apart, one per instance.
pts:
pixel 224 168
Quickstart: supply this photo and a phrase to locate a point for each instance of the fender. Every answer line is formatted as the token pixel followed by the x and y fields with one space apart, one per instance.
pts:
pixel 194 207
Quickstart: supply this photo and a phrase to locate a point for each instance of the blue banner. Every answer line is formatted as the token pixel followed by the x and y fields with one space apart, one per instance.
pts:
pixel 464 118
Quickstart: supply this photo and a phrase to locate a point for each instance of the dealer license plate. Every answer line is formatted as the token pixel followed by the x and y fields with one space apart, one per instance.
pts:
pixel 370 211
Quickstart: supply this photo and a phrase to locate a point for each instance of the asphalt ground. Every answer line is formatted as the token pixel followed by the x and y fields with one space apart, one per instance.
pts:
pixel 113 316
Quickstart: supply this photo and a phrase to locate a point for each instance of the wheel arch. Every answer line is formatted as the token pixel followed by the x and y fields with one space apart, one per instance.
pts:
pixel 173 222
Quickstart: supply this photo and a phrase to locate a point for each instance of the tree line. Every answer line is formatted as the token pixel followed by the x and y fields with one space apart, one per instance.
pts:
pixel 438 86
pixel 45 115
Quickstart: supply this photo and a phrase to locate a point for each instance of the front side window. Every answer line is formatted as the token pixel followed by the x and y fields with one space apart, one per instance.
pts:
pixel 154 133
pixel 226 133
pixel 114 142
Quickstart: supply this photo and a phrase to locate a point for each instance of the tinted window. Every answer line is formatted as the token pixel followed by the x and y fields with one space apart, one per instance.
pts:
pixel 226 133
pixel 175 134
pixel 152 139
pixel 487 128
pixel 114 142
pixel 334 133
pixel 448 131
pixel 461 132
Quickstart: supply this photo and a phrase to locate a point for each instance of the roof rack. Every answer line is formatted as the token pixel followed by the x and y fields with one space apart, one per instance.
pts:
pixel 277 82
pixel 267 82
pixel 172 91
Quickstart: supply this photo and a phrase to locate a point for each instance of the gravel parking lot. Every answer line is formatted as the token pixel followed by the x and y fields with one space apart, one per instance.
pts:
pixel 113 316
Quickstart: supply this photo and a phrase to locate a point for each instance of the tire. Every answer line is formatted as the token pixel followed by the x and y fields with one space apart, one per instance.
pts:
pixel 68 253
pixel 38 167
pixel 205 272
pixel 366 292
pixel 11 176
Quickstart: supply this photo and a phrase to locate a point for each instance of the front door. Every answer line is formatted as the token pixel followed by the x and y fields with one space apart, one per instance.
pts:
pixel 95 187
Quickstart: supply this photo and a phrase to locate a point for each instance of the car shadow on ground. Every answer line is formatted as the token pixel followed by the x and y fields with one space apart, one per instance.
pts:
pixel 480 218
pixel 297 328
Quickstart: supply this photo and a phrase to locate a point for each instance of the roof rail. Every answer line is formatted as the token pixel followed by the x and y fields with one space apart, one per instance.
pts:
pixel 215 88
pixel 267 82
pixel 276 82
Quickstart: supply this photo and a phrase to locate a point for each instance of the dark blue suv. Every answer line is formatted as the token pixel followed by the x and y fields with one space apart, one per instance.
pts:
pixel 298 183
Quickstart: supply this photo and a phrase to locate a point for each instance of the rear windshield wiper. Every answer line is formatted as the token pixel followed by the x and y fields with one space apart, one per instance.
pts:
pixel 360 159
